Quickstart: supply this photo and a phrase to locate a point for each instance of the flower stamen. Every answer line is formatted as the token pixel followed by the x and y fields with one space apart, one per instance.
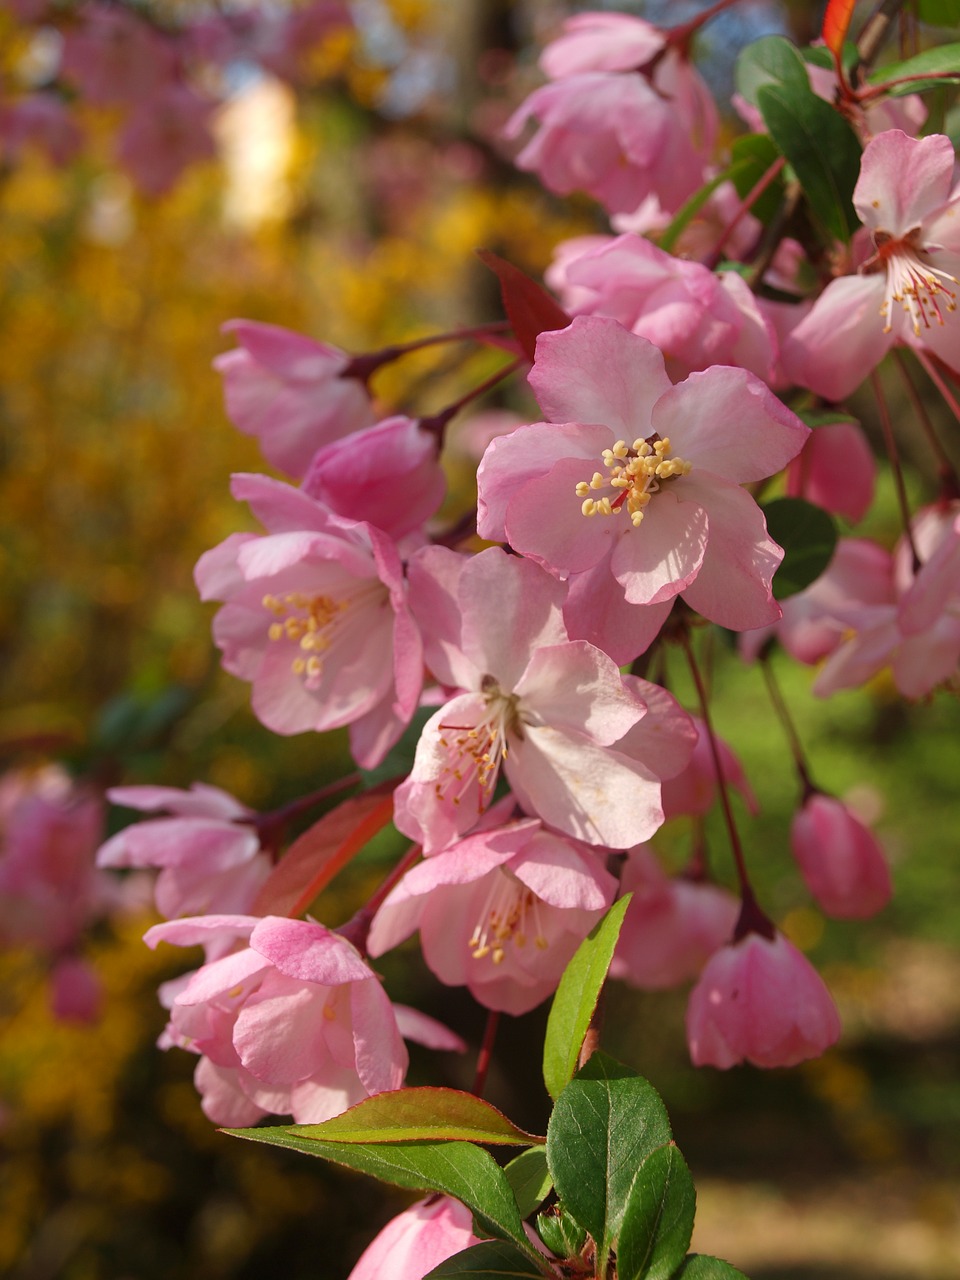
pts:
pixel 634 473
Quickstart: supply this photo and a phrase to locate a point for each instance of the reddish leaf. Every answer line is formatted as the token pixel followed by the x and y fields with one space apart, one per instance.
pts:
pixel 836 21
pixel 314 858
pixel 529 307
pixel 408 1115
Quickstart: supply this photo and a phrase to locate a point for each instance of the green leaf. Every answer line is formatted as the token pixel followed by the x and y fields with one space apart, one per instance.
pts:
pixel 753 155
pixel 700 1266
pixel 529 1179
pixel 658 1220
pixel 576 999
pixel 772 60
pixel 458 1169
pixel 689 211
pixel 942 62
pixel 405 1115
pixel 491 1260
pixel 604 1125
pixel 808 536
pixel 822 149
pixel 939 13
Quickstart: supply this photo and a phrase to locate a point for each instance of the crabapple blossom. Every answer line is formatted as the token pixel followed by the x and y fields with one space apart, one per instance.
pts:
pixel 760 1000
pixel 835 470
pixel 208 852
pixel 626 118
pixel 500 912
pixel 114 57
pixel 389 476
pixel 289 392
pixel 672 925
pixel 293 1022
pixel 613 136
pixel 842 863
pixel 696 317
pixel 666 515
pixel 316 619
pixel 905 292
pixel 552 711
pixel 915 630
pixel 164 135
pixel 693 791
pixel 50 888
pixel 417 1240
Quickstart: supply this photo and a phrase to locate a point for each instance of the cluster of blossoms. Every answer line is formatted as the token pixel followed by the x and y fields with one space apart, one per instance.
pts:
pixel 625 508
pixel 165 75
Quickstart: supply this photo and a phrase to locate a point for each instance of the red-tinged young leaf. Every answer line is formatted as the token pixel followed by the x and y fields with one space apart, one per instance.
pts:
pixel 529 307
pixel 405 1115
pixel 314 858
pixel 836 22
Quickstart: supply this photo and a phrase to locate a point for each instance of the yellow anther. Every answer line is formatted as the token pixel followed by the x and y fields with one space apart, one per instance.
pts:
pixel 582 489
pixel 589 507
pixel 597 481
pixel 276 631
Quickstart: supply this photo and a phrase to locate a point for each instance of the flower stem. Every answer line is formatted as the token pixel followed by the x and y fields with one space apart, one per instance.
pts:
pixel 680 35
pixel 789 728
pixel 746 204
pixel 894 458
pixel 949 482
pixel 485 1056
pixel 438 422
pixel 270 827
pixel 743 876
pixel 363 367
pixel 357 928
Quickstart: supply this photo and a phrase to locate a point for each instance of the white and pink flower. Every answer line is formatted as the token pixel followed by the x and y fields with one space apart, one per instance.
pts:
pixel 500 912
pixel 666 514
pixel 316 619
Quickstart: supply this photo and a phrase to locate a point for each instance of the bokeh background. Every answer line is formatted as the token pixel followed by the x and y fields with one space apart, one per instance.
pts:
pixel 349 207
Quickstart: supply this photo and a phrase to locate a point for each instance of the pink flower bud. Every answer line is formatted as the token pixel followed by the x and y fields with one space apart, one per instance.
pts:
pixel 842 863
pixel 417 1240
pixel 759 1000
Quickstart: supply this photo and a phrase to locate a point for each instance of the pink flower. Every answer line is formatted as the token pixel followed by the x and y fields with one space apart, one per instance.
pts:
pixel 842 863
pixel 906 292
pixel 208 853
pixel 50 888
pixel 696 317
pixel 835 470
pixel 760 1000
pixel 552 711
pixel 914 627
pixel 613 136
pixel 114 57
pixel 500 912
pixel 288 391
pixel 666 515
pixel 41 120
pixel 76 992
pixel 292 1023
pixel 672 926
pixel 165 134
pixel 389 476
pixel 417 1240
pixel 316 619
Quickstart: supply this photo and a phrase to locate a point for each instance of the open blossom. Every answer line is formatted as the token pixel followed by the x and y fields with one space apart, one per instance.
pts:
pixel 500 912
pixel 666 514
pixel 316 619
pixel 287 390
pixel 626 117
pixel 294 1022
pixel 552 712
pixel 417 1240
pixel 672 926
pixel 842 863
pixel 760 1000
pixel 907 619
pixel 906 290
pixel 208 851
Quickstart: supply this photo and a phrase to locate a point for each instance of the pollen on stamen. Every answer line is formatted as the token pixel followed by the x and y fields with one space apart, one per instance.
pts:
pixel 635 473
